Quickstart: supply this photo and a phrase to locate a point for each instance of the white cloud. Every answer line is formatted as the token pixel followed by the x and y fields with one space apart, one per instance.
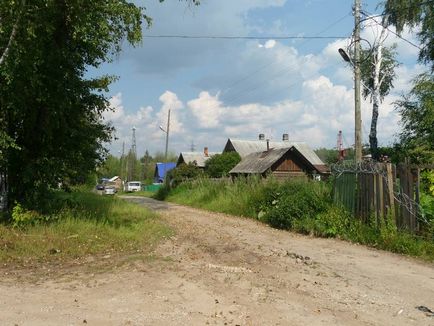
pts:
pixel 206 109
pixel 309 96
pixel 116 109
pixel 170 102
pixel 270 44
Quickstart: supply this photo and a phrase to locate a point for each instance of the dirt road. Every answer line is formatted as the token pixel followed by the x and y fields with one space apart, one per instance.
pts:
pixel 224 270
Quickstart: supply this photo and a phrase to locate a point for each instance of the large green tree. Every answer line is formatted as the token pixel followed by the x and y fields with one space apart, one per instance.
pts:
pixel 49 111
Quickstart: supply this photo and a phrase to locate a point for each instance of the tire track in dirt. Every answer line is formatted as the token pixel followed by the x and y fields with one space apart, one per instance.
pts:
pixel 225 270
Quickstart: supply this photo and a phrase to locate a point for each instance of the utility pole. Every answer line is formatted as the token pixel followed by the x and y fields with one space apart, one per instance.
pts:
pixel 167 136
pixel 357 109
pixel 122 161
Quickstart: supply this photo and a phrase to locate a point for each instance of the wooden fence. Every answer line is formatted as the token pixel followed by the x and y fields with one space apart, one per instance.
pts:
pixel 380 190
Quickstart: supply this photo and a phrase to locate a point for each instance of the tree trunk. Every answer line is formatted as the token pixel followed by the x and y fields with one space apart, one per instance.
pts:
pixel 378 58
pixel 373 142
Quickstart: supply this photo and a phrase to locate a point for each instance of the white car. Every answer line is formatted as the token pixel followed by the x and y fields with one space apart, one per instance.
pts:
pixel 133 186
pixel 109 190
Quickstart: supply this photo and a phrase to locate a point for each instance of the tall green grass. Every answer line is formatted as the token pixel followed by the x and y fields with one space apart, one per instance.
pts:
pixel 81 224
pixel 300 205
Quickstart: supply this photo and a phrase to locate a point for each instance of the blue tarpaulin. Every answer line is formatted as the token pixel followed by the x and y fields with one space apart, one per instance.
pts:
pixel 161 170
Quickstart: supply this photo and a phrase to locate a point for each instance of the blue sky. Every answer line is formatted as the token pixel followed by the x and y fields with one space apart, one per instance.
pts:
pixel 218 89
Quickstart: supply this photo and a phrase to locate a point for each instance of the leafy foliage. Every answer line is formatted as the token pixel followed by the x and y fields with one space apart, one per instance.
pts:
pixel 278 204
pixel 417 111
pixel 292 201
pixel 378 72
pixel 219 165
pixel 415 14
pixel 50 111
pixel 386 73
pixel 184 172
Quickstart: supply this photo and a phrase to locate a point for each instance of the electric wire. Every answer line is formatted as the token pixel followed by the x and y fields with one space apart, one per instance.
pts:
pixel 369 17
pixel 282 72
pixel 237 37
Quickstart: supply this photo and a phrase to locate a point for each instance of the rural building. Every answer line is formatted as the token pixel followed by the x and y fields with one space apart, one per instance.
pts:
pixel 199 158
pixel 161 170
pixel 283 163
pixel 246 147
pixel 116 181
pixel 282 159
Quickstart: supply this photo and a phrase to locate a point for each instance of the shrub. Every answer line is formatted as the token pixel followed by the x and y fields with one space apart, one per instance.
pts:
pixel 294 200
pixel 22 217
pixel 184 172
pixel 219 165
pixel 162 192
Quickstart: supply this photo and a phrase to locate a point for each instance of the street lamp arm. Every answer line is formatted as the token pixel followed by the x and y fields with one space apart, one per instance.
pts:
pixel 345 56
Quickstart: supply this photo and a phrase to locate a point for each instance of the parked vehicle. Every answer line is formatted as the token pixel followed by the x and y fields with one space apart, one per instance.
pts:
pixel 99 187
pixel 109 190
pixel 133 186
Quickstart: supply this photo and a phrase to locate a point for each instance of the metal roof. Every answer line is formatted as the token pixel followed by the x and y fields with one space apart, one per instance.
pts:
pixel 246 147
pixel 162 168
pixel 199 157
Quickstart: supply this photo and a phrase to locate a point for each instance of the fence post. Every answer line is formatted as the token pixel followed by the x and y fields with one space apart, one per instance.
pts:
pixel 390 188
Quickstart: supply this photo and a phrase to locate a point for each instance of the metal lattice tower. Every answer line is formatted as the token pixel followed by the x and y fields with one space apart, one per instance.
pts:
pixel 133 141
pixel 340 146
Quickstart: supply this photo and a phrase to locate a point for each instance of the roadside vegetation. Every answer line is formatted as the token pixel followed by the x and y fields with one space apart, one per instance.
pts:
pixel 299 205
pixel 78 224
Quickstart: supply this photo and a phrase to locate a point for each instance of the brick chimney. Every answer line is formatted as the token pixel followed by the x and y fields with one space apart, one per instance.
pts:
pixel 205 151
pixel 268 145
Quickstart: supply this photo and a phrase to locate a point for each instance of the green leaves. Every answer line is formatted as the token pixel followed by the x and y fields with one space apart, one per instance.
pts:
pixel 418 15
pixel 220 164
pixel 49 112
pixel 417 111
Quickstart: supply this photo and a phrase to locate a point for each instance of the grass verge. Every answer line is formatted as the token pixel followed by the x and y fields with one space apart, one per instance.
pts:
pixel 82 224
pixel 301 206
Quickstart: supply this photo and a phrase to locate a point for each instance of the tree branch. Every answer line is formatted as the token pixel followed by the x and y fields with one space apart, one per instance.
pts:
pixel 13 34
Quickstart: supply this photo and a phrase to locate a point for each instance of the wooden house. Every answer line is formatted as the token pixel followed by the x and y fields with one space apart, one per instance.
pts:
pixel 293 160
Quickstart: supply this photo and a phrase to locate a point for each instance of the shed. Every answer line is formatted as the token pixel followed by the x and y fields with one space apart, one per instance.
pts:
pixel 283 163
pixel 161 170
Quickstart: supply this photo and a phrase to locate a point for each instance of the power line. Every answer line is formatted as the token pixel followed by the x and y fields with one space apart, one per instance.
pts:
pixel 238 37
pixel 272 63
pixel 394 33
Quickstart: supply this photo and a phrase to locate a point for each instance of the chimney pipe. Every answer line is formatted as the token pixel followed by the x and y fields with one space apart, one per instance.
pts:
pixel 261 137
pixel 285 137
pixel 268 145
pixel 205 151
